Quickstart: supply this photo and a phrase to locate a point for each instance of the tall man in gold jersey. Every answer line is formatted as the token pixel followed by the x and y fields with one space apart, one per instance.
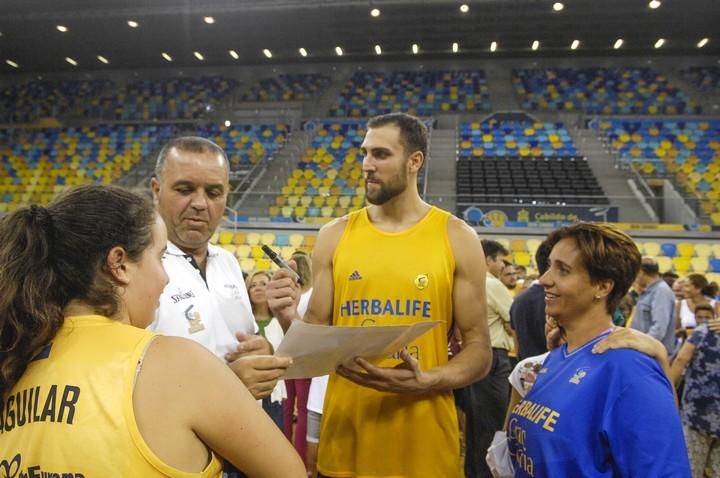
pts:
pixel 397 261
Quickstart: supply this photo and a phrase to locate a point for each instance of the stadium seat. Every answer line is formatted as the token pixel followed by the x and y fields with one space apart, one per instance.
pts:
pixel 681 265
pixel 651 249
pixel 664 263
pixel 668 249
pixel 699 264
pixel 686 249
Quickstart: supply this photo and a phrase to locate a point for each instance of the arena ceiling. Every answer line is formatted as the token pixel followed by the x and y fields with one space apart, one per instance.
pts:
pixel 31 40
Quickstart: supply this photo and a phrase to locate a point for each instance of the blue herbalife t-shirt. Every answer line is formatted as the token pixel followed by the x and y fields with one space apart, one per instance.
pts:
pixel 598 415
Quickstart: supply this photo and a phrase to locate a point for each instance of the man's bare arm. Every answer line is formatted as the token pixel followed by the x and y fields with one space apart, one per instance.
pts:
pixel 283 291
pixel 469 310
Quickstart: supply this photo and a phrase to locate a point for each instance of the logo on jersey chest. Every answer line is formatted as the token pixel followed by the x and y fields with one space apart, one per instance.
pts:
pixel 180 296
pixel 580 374
pixel 422 281
pixel 194 321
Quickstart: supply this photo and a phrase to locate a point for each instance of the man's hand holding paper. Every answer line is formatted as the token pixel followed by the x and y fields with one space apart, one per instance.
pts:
pixel 320 349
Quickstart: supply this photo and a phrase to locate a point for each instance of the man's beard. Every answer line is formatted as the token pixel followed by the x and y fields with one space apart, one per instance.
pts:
pixel 385 191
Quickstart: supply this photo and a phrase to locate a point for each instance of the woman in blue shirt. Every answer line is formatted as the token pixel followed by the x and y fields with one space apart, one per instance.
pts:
pixel 595 415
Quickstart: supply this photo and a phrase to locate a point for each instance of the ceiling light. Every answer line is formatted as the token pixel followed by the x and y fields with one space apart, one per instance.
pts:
pixel 654 4
pixel 209 20
pixel 339 51
pixel 455 47
pixel 702 42
pixel 12 63
pixel 575 45
pixel 198 55
pixel 375 12
pixel 535 45
pixel 71 61
pixel 464 8
pixel 234 54
pixel 267 53
pixel 378 50
pixel 166 56
pixel 493 46
pixel 618 43
pixel 133 24
pixel 227 123
pixel 660 42
pixel 103 59
pixel 558 6
pixel 62 28
pixel 303 52
pixel 415 49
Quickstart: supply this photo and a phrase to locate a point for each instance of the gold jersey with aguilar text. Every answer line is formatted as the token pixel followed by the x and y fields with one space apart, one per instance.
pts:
pixel 385 278
pixel 71 413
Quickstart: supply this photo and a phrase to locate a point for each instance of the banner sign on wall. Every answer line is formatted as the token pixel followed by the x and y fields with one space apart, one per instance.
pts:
pixel 502 215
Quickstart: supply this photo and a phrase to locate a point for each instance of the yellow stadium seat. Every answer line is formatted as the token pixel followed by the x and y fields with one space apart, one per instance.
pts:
pixel 239 238
pixel 651 249
pixel 263 264
pixel 310 241
pixel 243 250
pixel 267 238
pixel 287 252
pixel 532 246
pixel 214 238
pixel 505 243
pixel 231 248
pixel 681 264
pixel 247 264
pixel 699 264
pixel 256 252
pixel 521 258
pixel 518 245
pixel 703 250
pixel 225 238
pixel 716 250
pixel 296 240
pixel 686 249
pixel 664 263
pixel 253 238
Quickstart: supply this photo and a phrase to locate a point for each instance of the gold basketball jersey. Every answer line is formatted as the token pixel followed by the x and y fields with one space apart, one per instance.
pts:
pixel 71 413
pixel 385 278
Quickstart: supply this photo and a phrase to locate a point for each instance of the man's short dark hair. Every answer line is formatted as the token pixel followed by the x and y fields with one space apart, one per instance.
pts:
pixel 191 144
pixel 542 257
pixel 649 266
pixel 493 249
pixel 413 133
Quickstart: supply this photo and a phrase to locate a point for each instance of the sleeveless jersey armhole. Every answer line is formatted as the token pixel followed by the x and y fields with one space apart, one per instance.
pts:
pixel 213 466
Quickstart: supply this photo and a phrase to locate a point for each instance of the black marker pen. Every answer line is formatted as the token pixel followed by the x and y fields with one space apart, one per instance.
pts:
pixel 280 262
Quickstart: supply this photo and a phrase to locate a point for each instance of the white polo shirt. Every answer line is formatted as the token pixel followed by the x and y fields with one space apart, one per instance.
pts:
pixel 210 313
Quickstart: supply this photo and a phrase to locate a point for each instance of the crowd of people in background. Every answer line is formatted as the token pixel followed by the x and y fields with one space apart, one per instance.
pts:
pixel 567 370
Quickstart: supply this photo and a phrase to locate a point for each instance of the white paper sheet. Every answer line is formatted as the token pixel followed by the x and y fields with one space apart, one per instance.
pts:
pixel 318 349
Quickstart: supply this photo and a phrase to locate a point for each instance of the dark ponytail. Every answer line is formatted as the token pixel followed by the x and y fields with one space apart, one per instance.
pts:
pixel 50 256
pixel 30 314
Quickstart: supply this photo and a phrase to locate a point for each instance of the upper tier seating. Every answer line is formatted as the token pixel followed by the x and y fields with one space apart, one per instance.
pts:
pixel 245 145
pixel 600 91
pixel 26 102
pixel 707 78
pixel 419 93
pixel 293 87
pixel 175 98
pixel 687 149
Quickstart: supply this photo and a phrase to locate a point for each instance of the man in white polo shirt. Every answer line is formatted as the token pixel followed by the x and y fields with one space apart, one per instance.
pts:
pixel 206 299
